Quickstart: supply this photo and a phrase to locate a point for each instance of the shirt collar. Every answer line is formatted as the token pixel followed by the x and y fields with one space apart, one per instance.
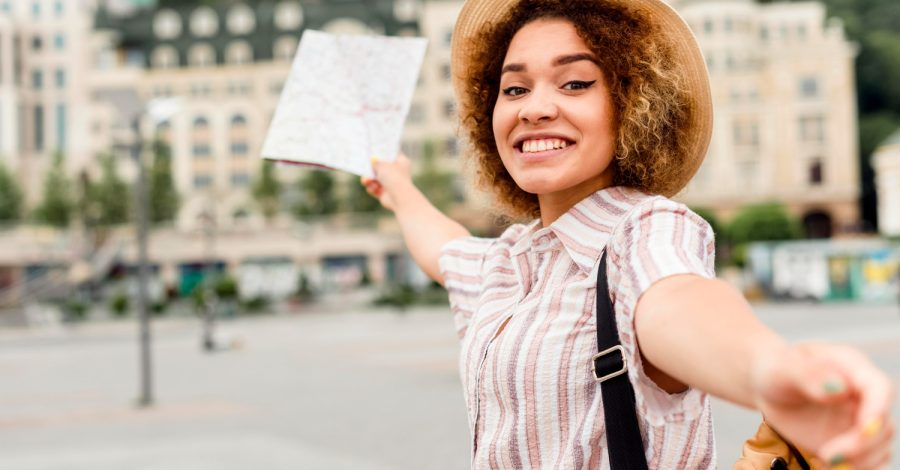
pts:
pixel 584 229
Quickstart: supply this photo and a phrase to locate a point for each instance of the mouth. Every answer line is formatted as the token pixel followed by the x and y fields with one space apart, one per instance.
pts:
pixel 540 147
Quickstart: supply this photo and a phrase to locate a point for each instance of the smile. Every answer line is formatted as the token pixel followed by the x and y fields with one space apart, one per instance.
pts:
pixel 541 145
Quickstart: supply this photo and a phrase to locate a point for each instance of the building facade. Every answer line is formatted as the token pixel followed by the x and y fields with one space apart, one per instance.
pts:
pixel 785 125
pixel 886 163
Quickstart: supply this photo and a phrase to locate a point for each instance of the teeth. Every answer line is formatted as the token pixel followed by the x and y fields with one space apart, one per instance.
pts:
pixel 541 145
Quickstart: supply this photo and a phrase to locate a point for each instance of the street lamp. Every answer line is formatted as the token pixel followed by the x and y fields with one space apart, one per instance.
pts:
pixel 131 110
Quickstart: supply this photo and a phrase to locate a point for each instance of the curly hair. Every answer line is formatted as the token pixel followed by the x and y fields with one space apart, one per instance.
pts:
pixel 652 108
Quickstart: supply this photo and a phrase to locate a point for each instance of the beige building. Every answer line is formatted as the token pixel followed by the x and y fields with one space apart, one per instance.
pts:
pixel 43 76
pixel 785 117
pixel 886 163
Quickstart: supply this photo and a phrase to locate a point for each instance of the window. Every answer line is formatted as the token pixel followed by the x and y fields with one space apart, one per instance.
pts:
pixel 61 126
pixel 241 20
pixel 201 55
pixel 812 129
pixel 764 33
pixel 746 133
pixel 200 89
pixel 239 149
pixel 200 137
pixel 167 24
pixel 201 123
pixel 240 179
pixel 416 113
pixel 60 78
pixel 238 52
pixel 814 176
pixel 809 87
pixel 451 146
pixel 37 79
pixel 204 22
pixel 448 37
pixel 801 31
pixel 445 72
pixel 58 7
pixel 449 108
pixel 201 150
pixel 288 15
pixel 59 41
pixel 238 120
pixel 36 9
pixel 164 57
pixel 39 128
pixel 730 62
pixel 37 43
pixel 241 88
pixel 284 48
pixel 708 26
pixel 202 180
pixel 4 7
pixel 729 25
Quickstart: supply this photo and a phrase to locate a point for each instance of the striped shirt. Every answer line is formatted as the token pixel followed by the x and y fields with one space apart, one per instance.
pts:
pixel 531 397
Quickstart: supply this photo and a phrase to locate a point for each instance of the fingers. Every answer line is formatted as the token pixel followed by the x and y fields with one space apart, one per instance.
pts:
pixel 873 453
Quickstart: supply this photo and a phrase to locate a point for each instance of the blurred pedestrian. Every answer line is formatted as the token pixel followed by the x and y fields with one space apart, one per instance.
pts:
pixel 585 116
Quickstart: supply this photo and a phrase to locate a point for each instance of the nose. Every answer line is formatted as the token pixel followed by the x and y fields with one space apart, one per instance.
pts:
pixel 538 106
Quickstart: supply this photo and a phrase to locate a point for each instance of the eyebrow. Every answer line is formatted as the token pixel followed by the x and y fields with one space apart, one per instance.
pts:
pixel 559 61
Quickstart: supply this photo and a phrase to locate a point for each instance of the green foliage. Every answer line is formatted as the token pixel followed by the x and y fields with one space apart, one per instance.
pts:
pixel 107 202
pixel 56 205
pixel 75 310
pixel 304 290
pixel 404 295
pixel 118 305
pixel 358 200
pixel 226 288
pixel 257 304
pixel 317 194
pixel 10 197
pixel 163 198
pixel 437 185
pixel 267 190
pixel 763 222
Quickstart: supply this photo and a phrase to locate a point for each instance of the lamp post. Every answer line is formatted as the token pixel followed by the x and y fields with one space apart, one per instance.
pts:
pixel 132 111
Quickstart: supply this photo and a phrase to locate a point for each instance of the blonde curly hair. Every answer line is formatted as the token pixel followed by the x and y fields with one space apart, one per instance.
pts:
pixel 652 108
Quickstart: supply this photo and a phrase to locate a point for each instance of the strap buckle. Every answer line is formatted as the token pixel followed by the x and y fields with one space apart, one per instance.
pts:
pixel 597 357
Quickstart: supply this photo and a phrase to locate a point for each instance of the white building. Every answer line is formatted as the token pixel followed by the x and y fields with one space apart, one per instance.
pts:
pixel 785 115
pixel 886 163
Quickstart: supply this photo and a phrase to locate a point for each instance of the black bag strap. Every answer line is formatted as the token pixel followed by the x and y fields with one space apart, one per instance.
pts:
pixel 623 435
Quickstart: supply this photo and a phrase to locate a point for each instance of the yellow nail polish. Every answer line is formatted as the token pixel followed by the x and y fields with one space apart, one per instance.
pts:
pixel 842 466
pixel 872 427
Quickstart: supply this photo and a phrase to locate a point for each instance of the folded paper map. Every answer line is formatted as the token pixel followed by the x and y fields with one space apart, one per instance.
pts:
pixel 345 101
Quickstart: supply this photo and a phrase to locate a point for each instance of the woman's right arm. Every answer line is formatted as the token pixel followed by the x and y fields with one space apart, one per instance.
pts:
pixel 425 228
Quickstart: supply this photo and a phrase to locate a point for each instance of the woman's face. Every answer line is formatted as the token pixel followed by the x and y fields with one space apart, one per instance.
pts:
pixel 553 122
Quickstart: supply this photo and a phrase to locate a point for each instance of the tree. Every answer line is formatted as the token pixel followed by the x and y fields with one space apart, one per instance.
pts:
pixel 163 197
pixel 763 222
pixel 10 197
pixel 437 185
pixel 107 202
pixel 358 200
pixel 317 195
pixel 56 206
pixel 267 190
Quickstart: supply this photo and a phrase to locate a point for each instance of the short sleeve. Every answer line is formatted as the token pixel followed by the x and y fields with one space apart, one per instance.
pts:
pixel 461 264
pixel 658 239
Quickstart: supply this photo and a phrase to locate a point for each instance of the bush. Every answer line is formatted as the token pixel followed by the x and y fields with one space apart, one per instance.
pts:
pixel 119 304
pixel 75 310
pixel 257 304
pixel 763 222
pixel 397 295
pixel 226 288
pixel 159 307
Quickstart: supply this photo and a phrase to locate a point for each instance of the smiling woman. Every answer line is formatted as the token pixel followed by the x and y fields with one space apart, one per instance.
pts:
pixel 585 115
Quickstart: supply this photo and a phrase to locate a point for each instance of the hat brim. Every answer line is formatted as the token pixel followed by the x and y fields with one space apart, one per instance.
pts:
pixel 687 60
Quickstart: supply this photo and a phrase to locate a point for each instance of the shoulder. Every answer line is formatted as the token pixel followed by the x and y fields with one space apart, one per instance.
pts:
pixel 660 216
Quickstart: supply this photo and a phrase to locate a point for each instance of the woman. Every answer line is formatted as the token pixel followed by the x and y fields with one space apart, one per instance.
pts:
pixel 584 115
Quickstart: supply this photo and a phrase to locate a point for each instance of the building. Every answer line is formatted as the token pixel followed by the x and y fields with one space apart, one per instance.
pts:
pixel 44 47
pixel 886 163
pixel 785 124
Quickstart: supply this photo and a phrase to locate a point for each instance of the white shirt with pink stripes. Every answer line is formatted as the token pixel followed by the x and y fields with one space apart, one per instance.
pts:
pixel 531 397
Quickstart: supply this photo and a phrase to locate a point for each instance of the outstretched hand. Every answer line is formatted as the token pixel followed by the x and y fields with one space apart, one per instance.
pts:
pixel 388 177
pixel 829 400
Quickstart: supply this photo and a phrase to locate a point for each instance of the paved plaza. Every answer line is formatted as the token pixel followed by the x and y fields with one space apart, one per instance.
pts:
pixel 317 389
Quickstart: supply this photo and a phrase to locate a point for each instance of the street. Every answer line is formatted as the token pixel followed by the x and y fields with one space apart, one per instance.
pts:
pixel 364 390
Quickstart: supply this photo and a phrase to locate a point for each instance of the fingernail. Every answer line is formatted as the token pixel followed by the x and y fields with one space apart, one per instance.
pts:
pixel 833 386
pixel 842 466
pixel 838 460
pixel 872 427
pixel 374 160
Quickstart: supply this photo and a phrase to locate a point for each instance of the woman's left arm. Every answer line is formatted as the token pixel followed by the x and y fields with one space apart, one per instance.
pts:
pixel 826 398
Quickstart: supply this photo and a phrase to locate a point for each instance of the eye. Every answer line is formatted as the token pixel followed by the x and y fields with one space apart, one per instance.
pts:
pixel 578 85
pixel 514 91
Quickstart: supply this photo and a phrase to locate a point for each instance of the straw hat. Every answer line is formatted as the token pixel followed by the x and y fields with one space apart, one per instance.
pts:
pixel 687 59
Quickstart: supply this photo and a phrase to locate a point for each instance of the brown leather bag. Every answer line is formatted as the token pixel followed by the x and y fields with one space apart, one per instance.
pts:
pixel 768 450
